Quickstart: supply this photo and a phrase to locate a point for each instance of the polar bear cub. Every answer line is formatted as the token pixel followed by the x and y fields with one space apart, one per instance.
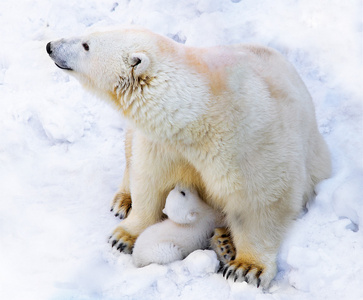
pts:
pixel 189 226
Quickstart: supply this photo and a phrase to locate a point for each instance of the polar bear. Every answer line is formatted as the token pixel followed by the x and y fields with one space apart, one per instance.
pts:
pixel 189 227
pixel 236 122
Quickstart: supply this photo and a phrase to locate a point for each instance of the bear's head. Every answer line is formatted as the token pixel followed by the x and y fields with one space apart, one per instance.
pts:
pixel 146 75
pixel 103 61
pixel 183 206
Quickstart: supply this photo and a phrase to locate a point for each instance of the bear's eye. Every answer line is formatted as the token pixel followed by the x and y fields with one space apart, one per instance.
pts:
pixel 85 46
pixel 183 193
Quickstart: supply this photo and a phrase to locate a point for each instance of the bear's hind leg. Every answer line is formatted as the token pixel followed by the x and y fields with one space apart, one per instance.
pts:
pixel 257 232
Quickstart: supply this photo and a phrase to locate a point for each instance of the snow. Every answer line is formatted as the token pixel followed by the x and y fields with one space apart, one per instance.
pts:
pixel 61 152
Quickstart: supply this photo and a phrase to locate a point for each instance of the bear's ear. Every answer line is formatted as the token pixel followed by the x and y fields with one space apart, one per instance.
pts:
pixel 139 63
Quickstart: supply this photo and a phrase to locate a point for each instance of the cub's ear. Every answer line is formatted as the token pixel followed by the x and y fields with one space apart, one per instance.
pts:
pixel 191 217
pixel 139 63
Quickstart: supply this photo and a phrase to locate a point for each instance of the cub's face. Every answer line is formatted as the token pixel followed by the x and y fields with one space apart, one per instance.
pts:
pixel 182 205
pixel 100 60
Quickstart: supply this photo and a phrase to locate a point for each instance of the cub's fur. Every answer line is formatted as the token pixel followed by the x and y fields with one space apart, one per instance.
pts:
pixel 189 227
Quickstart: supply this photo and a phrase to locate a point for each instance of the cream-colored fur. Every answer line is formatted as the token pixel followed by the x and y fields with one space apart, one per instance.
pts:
pixel 235 122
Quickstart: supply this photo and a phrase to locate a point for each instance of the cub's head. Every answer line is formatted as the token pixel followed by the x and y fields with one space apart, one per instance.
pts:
pixel 183 206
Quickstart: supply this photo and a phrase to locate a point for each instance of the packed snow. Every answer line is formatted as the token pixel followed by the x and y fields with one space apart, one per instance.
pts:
pixel 62 156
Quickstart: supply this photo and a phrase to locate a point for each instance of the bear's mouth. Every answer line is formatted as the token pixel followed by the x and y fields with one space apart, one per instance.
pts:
pixel 63 67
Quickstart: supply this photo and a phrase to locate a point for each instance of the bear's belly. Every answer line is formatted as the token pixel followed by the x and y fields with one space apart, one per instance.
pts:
pixel 214 176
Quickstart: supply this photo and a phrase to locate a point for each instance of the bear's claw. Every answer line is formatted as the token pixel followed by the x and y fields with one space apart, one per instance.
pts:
pixel 121 247
pixel 122 240
pixel 243 271
pixel 239 267
pixel 121 205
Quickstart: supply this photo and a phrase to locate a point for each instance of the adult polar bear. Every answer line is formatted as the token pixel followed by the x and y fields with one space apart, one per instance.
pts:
pixel 234 122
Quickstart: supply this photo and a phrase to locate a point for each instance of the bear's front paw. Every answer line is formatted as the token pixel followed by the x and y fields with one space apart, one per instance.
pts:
pixel 122 240
pixel 246 268
pixel 222 244
pixel 121 205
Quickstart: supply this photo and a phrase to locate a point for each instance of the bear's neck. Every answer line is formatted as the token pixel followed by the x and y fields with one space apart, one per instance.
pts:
pixel 170 107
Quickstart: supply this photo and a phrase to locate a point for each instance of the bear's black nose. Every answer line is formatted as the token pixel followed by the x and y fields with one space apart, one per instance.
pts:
pixel 49 50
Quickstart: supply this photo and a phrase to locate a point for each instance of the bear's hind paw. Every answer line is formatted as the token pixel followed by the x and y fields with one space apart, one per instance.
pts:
pixel 222 244
pixel 247 269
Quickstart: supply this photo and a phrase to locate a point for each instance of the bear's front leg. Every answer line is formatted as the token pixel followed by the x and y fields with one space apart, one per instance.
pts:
pixel 123 240
pixel 150 180
pixel 121 203
pixel 146 210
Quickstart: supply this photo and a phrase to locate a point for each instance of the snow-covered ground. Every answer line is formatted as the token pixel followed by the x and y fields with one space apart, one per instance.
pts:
pixel 61 152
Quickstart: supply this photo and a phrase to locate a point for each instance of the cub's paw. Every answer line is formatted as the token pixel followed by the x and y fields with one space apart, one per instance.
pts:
pixel 246 268
pixel 222 244
pixel 121 205
pixel 122 241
